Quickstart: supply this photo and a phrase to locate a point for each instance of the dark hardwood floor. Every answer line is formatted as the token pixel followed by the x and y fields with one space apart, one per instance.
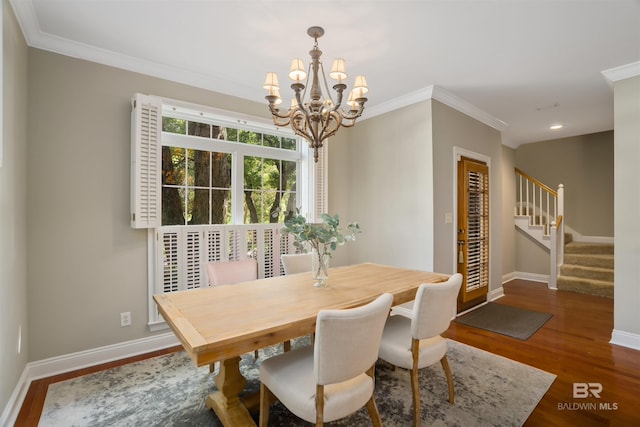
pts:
pixel 573 344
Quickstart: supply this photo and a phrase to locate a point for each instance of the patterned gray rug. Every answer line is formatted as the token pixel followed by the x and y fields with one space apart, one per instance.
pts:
pixel 170 391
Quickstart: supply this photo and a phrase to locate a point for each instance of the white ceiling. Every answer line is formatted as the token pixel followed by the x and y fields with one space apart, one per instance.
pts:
pixel 527 63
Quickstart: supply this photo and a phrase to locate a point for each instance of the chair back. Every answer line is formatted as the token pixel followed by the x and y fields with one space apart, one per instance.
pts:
pixel 434 307
pixel 296 263
pixel 229 272
pixel 347 341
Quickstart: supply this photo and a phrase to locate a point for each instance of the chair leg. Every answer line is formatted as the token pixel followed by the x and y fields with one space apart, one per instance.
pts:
pixel 319 405
pixel 265 403
pixel 212 367
pixel 415 384
pixel 255 354
pixel 447 372
pixel 286 345
pixel 374 414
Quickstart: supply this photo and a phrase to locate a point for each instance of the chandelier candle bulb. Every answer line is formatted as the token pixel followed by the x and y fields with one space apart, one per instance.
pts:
pixel 297 72
pixel 313 113
pixel 271 82
pixel 338 71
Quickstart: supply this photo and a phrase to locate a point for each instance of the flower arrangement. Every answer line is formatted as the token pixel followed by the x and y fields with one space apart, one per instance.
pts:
pixel 323 238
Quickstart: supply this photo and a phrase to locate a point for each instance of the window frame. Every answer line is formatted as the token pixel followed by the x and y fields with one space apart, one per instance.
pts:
pixel 311 177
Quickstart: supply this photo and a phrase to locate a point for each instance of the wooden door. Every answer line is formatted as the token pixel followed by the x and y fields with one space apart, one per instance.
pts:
pixel 473 232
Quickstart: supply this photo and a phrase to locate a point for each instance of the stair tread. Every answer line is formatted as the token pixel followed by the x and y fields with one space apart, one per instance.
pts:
pixel 580 279
pixel 586 248
pixel 587 267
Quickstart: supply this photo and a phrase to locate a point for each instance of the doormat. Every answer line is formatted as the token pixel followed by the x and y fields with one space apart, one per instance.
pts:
pixel 506 320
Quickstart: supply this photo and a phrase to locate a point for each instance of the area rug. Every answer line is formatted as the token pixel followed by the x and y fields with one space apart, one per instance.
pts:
pixel 170 391
pixel 506 320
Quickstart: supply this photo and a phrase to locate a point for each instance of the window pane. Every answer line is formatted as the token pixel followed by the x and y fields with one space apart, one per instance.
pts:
pixel 200 129
pixel 232 134
pixel 199 206
pixel 200 168
pixel 289 175
pixel 173 165
pixel 173 125
pixel 289 143
pixel 172 206
pixel 271 141
pixel 271 206
pixel 220 207
pixel 220 170
pixel 249 137
pixel 288 207
pixel 253 207
pixel 219 132
pixel 271 174
pixel 252 173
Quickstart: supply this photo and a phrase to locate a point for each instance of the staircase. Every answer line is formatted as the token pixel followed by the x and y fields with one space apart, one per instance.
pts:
pixel 574 266
pixel 587 268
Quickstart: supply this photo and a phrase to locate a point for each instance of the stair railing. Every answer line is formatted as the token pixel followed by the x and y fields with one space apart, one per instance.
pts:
pixel 544 207
pixel 536 200
pixel 556 254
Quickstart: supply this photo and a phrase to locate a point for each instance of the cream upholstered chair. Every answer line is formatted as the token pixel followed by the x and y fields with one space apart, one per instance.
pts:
pixel 296 263
pixel 229 272
pixel 414 343
pixel 335 377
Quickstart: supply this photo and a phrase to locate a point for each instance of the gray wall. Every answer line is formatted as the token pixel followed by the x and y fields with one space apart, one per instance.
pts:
pixel 584 165
pixel 508 230
pixel 386 185
pixel 627 207
pixel 86 265
pixel 400 185
pixel 13 207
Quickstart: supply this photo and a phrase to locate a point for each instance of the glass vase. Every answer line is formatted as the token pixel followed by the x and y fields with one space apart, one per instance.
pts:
pixel 320 268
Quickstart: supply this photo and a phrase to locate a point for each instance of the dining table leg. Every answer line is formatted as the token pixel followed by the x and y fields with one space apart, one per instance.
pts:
pixel 226 401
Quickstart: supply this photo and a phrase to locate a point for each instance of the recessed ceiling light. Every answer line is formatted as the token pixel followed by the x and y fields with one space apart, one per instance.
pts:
pixel 556 127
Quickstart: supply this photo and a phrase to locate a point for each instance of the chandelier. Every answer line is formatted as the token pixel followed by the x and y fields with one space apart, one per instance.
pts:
pixel 314 114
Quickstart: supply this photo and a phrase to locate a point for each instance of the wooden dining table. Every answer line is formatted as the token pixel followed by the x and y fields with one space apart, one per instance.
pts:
pixel 219 324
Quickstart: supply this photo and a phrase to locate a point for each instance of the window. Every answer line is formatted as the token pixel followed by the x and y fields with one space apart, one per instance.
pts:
pixel 198 186
pixel 211 187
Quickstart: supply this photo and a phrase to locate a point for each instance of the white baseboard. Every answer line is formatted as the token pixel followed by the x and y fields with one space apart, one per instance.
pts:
pixel 495 294
pixel 71 362
pixel 11 411
pixel 625 339
pixel 534 277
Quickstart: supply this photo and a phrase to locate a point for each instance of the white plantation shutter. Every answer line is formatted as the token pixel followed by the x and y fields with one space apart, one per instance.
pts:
pixel 146 161
pixel 321 183
pixel 193 260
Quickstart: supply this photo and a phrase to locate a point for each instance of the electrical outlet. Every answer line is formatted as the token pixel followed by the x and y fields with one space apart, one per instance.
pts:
pixel 125 319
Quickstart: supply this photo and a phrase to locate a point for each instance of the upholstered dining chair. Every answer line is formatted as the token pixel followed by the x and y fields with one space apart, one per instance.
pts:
pixel 415 342
pixel 229 272
pixel 335 377
pixel 296 263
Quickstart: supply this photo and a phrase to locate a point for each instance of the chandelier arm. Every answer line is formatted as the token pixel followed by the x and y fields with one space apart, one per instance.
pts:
pixel 326 86
pixel 275 112
pixel 281 122
pixel 299 124
pixel 327 129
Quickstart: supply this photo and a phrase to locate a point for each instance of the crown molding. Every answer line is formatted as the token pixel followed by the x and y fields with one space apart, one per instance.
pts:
pixel 439 94
pixel 28 21
pixel 622 72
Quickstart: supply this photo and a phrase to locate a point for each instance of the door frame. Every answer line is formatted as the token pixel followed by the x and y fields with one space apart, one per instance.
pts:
pixel 458 153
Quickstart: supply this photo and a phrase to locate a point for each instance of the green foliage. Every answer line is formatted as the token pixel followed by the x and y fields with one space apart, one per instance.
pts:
pixel 323 237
